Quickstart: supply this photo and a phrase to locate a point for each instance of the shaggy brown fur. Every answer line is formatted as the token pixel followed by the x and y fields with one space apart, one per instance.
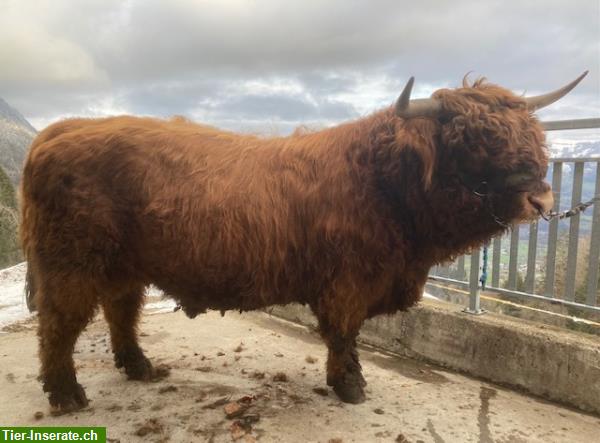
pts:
pixel 347 220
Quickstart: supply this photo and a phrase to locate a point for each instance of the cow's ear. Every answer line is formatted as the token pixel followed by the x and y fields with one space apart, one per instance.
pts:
pixel 418 137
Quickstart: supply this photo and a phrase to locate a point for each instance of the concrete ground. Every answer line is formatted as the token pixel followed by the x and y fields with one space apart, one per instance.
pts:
pixel 271 373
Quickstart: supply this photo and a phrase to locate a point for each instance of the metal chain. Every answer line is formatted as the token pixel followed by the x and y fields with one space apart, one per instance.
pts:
pixel 580 207
pixel 548 217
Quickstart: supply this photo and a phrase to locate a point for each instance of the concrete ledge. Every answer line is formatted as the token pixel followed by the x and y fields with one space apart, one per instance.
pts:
pixel 558 365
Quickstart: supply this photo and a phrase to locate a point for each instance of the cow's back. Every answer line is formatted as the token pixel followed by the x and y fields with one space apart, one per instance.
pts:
pixel 169 202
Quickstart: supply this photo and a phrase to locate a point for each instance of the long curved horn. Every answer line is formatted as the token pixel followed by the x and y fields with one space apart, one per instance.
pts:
pixel 539 101
pixel 421 107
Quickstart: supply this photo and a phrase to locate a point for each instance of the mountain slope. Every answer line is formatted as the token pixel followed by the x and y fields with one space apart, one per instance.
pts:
pixel 9 243
pixel 567 148
pixel 16 134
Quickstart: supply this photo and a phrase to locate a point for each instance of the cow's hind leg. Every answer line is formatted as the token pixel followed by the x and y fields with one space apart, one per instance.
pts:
pixel 344 372
pixel 64 311
pixel 122 312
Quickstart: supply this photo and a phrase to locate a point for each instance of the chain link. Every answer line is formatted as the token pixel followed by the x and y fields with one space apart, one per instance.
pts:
pixel 580 207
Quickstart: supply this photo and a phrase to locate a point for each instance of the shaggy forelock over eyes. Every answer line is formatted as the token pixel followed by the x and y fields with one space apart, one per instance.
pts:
pixel 487 128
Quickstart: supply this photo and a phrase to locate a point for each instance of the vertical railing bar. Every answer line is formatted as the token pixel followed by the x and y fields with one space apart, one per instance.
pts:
pixel 592 284
pixel 474 301
pixel 497 245
pixel 573 234
pixel 513 258
pixel 553 232
pixel 531 256
pixel 445 271
pixel 460 268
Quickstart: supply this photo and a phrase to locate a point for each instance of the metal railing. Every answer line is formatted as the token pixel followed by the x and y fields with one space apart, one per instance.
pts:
pixel 556 261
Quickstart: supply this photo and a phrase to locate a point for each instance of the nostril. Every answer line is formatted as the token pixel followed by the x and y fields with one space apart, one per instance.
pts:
pixel 542 203
pixel 537 205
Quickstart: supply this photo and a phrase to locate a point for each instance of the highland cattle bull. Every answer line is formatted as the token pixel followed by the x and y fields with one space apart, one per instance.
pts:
pixel 347 220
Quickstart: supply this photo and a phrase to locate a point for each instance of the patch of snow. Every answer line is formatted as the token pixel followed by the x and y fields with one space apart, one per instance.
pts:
pixel 161 306
pixel 13 274
pixel 12 295
pixel 153 291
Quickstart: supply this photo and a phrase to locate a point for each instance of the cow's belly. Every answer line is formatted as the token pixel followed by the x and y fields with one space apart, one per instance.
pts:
pixel 195 296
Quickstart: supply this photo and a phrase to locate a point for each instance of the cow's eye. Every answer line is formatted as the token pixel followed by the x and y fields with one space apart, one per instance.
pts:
pixel 519 179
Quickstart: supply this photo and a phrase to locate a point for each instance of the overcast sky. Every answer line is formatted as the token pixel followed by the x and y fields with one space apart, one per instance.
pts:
pixel 271 65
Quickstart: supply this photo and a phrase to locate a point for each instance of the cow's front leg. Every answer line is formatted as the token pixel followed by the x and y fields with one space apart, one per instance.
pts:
pixel 122 313
pixel 344 373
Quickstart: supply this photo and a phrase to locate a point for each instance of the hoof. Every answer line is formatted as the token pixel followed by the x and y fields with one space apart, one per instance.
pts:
pixel 361 381
pixel 159 372
pixel 138 367
pixel 349 392
pixel 65 400
pixel 353 375
pixel 143 370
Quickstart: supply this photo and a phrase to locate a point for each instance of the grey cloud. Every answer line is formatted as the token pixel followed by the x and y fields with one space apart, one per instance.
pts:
pixel 281 107
pixel 170 98
pixel 163 58
pixel 337 110
pixel 260 106
pixel 323 83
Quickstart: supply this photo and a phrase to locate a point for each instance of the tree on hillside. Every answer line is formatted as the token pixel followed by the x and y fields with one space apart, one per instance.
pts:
pixel 10 252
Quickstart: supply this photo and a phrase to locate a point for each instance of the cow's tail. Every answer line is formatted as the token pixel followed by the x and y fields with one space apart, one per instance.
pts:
pixel 30 283
pixel 30 289
pixel 27 226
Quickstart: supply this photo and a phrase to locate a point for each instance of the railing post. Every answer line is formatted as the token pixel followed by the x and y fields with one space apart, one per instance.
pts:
pixel 496 255
pixel 570 280
pixel 531 256
pixel 513 258
pixel 553 232
pixel 474 301
pixel 592 286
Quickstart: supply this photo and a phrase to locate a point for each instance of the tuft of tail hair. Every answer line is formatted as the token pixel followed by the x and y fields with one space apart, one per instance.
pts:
pixel 30 290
